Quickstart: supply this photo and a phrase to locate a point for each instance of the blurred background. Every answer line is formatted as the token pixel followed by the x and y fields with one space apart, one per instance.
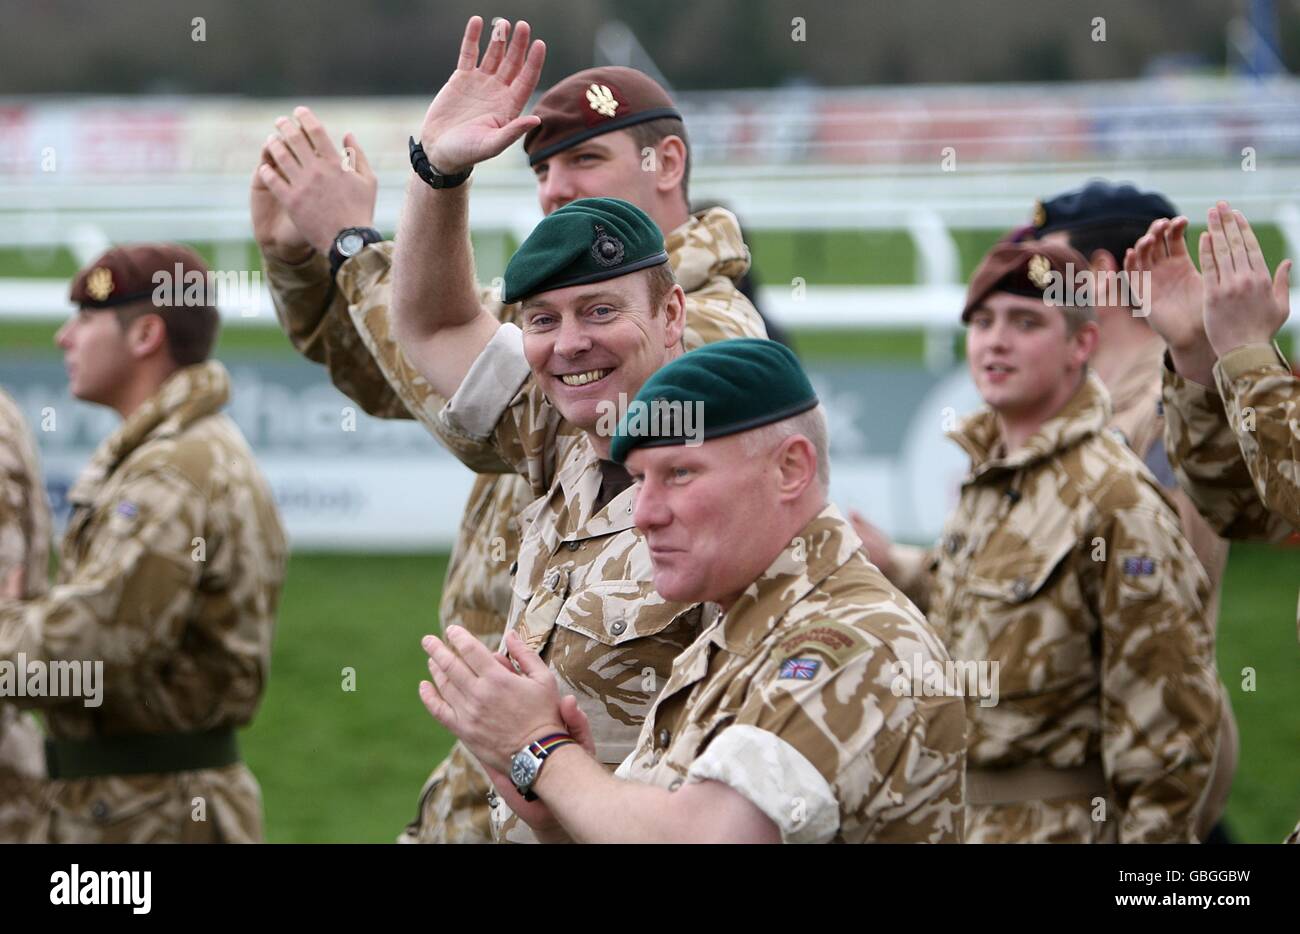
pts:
pixel 872 151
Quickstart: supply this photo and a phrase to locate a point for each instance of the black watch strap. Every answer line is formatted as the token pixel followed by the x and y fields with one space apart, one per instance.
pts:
pixel 420 162
pixel 368 236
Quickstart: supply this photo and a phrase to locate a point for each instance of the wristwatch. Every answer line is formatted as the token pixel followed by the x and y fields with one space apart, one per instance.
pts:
pixel 526 764
pixel 424 169
pixel 349 242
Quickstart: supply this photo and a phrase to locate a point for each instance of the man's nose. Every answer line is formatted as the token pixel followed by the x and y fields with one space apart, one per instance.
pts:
pixel 572 338
pixel 650 511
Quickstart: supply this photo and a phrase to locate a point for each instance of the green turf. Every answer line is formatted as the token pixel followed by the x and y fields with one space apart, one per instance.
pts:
pixel 340 765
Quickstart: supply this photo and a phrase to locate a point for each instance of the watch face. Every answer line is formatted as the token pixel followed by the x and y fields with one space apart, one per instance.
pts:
pixel 350 243
pixel 523 769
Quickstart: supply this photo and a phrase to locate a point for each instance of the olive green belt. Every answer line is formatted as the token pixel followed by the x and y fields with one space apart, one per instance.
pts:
pixel 140 754
pixel 1034 783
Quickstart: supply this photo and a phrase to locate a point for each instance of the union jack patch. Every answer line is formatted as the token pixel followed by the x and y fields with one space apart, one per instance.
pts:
pixel 800 669
pixel 1139 567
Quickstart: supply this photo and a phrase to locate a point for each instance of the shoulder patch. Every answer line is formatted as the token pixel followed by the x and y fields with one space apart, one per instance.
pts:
pixel 799 669
pixel 835 641
pixel 1139 566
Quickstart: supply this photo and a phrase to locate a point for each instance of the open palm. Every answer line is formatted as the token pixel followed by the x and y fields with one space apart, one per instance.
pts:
pixel 476 115
pixel 1172 298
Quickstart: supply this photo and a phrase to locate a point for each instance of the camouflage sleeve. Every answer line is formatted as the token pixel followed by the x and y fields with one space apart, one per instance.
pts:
pixel 126 600
pixel 1206 455
pixel 24 514
pixel 913 567
pixel 500 411
pixel 1160 701
pixel 717 312
pixel 314 313
pixel 825 748
pixel 1262 398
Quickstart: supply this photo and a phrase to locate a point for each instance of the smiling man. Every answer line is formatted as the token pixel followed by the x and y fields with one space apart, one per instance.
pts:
pixel 603 132
pixel 169 577
pixel 780 722
pixel 1065 567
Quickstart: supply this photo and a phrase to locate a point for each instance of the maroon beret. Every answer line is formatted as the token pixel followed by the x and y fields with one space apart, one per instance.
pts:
pixel 592 102
pixel 1024 268
pixel 126 273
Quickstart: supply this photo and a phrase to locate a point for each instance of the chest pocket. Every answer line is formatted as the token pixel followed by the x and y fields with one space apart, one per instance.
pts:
pixel 1028 614
pixel 617 612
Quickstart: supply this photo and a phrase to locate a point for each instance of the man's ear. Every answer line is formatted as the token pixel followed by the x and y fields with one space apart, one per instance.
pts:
pixel 670 156
pixel 146 335
pixel 1083 343
pixel 796 459
pixel 675 317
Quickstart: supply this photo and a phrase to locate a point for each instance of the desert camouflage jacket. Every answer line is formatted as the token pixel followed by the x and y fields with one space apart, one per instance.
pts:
pixel 793 699
pixel 170 575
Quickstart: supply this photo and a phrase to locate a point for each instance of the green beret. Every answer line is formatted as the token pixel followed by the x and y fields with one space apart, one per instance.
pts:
pixel 716 390
pixel 588 240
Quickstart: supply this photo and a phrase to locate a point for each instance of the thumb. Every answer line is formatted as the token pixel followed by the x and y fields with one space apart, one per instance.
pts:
pixel 576 722
pixel 1282 288
pixel 359 160
pixel 529 662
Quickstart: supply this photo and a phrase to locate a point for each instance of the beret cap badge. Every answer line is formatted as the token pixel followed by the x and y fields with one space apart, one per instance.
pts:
pixel 1040 271
pixel 99 284
pixel 606 249
pixel 601 99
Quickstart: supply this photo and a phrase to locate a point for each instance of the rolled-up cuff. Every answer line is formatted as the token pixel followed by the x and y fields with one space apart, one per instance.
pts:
pixel 490 386
pixel 776 778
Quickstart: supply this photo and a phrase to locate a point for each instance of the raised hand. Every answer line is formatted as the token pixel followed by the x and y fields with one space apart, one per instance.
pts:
pixel 1172 296
pixel 305 191
pixel 476 115
pixel 1243 303
pixel 1171 301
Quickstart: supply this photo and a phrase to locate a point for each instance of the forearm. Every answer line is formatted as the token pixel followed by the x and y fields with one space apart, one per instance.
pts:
pixel 433 271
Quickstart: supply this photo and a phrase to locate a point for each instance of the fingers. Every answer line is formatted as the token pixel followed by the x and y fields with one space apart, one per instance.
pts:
pixel 1254 255
pixel 1175 238
pixel 1282 288
pixel 576 722
pixel 273 180
pixel 292 138
pixel 1209 268
pixel 496 49
pixel 474 655
pixel 437 707
pixel 516 53
pixel 314 130
pixel 469 44
pixel 1225 238
pixel 276 154
pixel 357 156
pixel 529 662
pixel 451 675
pixel 499 140
pixel 526 83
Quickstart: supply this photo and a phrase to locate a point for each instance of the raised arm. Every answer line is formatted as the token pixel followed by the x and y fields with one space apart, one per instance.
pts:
pixel 437 317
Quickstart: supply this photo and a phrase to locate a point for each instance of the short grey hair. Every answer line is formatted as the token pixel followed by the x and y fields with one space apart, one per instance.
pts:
pixel 811 424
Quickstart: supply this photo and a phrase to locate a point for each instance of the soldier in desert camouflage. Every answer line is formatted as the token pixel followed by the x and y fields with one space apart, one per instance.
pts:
pixel 24 564
pixel 1103 221
pixel 1064 566
pixel 169 575
pixel 1232 403
pixel 335 309
pixel 780 722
